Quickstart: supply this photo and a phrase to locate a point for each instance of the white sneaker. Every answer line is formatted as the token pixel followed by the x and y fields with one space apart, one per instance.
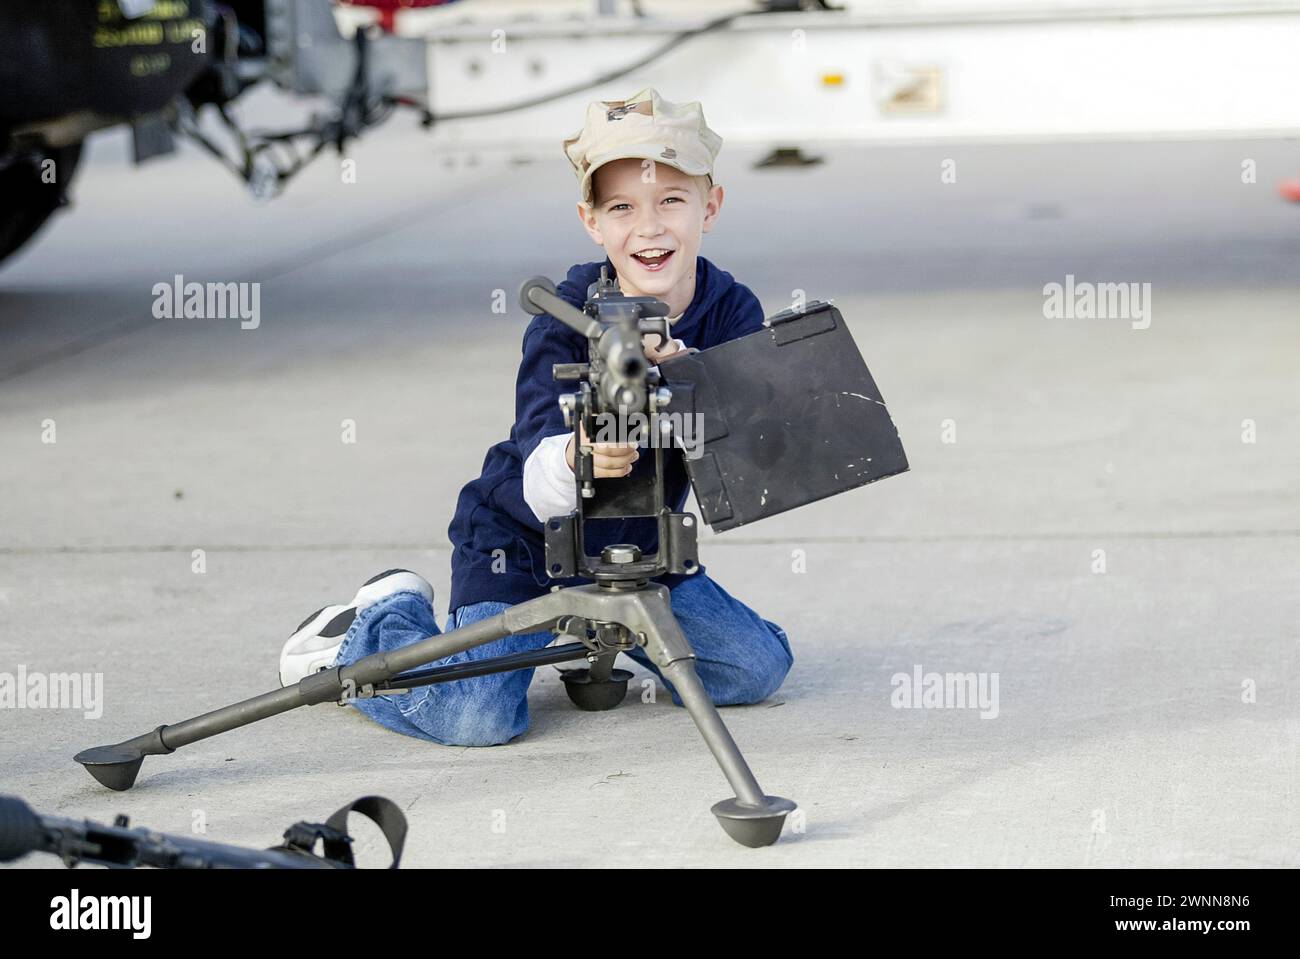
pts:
pixel 315 644
pixel 387 583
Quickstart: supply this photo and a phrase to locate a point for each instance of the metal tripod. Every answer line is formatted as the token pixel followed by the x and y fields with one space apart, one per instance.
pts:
pixel 620 616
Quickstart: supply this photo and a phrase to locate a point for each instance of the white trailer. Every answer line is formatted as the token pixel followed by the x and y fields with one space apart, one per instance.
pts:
pixel 890 70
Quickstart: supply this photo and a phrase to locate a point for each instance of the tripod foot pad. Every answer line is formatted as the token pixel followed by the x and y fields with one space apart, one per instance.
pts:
pixel 596 695
pixel 753 826
pixel 117 766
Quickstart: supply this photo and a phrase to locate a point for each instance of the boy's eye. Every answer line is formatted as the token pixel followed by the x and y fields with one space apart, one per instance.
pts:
pixel 616 206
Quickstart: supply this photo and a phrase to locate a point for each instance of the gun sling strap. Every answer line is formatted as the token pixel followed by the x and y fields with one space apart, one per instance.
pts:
pixel 302 836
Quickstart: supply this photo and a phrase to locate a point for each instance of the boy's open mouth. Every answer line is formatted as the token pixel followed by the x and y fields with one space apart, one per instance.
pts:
pixel 653 259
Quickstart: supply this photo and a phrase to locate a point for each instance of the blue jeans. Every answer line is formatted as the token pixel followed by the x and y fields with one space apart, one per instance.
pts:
pixel 740 658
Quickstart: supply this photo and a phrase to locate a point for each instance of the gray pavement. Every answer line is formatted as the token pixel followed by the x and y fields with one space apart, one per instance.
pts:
pixel 1146 715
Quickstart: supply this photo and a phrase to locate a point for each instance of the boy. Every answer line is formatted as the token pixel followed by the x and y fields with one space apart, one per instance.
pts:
pixel 645 169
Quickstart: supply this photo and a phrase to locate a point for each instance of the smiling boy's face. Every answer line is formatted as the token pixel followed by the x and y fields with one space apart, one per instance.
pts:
pixel 670 213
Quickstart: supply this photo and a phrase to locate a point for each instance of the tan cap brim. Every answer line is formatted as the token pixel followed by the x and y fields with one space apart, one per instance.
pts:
pixel 643 151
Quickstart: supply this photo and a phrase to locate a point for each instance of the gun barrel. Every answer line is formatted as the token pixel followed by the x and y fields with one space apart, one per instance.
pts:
pixel 623 379
pixel 20 829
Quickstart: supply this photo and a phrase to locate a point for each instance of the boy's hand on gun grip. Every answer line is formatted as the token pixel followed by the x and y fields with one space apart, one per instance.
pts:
pixel 656 354
pixel 611 459
pixel 615 459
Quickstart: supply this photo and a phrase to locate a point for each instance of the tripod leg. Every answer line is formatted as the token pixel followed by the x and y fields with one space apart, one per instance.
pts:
pixel 751 817
pixel 117 766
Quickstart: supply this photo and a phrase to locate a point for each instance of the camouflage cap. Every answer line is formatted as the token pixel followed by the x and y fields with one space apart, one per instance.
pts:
pixel 643 127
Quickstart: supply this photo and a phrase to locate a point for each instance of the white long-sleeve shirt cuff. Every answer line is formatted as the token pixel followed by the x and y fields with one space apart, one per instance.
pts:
pixel 549 487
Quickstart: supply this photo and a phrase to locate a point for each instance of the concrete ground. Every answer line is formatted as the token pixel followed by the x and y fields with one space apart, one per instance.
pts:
pixel 1146 715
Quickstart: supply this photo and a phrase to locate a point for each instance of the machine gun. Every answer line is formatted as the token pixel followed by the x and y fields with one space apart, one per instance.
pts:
pixel 75 841
pixel 618 388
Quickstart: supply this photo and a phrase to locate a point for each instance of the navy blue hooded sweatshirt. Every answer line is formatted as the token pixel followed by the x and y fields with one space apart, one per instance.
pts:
pixel 491 513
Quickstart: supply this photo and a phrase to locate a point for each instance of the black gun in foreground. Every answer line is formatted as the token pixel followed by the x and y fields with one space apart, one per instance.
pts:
pixel 75 841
